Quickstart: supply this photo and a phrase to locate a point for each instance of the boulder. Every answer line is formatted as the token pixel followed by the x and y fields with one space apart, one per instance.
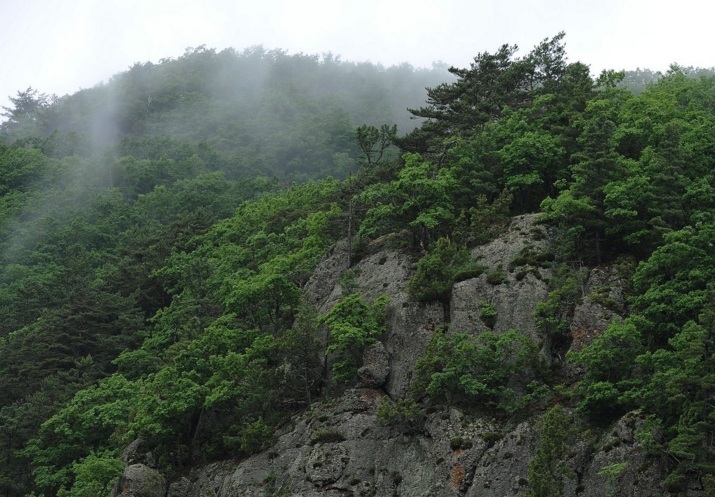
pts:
pixel 375 368
pixel 139 480
pixel 137 452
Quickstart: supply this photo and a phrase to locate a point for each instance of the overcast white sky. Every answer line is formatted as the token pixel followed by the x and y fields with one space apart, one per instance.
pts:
pixel 60 46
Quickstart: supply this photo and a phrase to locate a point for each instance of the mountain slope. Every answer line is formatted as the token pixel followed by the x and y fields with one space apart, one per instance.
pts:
pixel 159 294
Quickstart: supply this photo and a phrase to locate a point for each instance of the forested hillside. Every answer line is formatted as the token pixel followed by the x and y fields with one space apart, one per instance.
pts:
pixel 158 231
pixel 263 111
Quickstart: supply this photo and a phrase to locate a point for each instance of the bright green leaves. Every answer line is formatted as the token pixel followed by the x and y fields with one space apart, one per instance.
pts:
pixel 482 369
pixel 166 402
pixel 532 160
pixel 438 270
pixel 569 212
pixel 627 202
pixel 299 348
pixel 262 299
pixel 80 437
pixel 28 116
pixel 658 207
pixel 353 324
pixel 21 169
pixel 211 374
pixel 566 291
pixel 242 376
pixel 256 437
pixel 680 391
pixel 374 142
pixel 609 360
pixel 419 200
pixel 673 382
pixel 639 169
pixel 493 82
pixel 672 283
pixel 94 476
pixel 254 264
pixel 547 468
pixel 581 211
pixel 612 355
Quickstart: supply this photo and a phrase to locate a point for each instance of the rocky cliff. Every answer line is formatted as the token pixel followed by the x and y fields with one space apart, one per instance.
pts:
pixel 339 447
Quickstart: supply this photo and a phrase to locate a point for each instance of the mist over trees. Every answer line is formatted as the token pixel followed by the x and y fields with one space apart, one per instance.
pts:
pixel 157 232
pixel 263 110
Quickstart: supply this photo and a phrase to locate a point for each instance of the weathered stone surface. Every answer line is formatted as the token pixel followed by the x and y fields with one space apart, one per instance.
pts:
pixel 453 455
pixel 375 367
pixel 515 294
pixel 620 466
pixel 385 272
pixel 602 301
pixel 327 274
pixel 137 452
pixel 139 480
pixel 603 298
pixel 411 327
pixel 205 481
pixel 514 302
pixel 339 447
pixel 180 488
pixel 524 233
pixel 366 458
pixel 504 467
pixel 410 324
pixel 326 463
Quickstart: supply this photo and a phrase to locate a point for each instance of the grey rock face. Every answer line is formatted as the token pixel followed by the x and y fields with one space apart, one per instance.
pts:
pixel 602 301
pixel 139 480
pixel 410 324
pixel 326 276
pixel 366 458
pixel 385 272
pixel 205 481
pixel 621 466
pixel 180 488
pixel 340 447
pixel 326 463
pixel 514 302
pixel 138 453
pixel 504 467
pixel 524 233
pixel 510 285
pixel 375 367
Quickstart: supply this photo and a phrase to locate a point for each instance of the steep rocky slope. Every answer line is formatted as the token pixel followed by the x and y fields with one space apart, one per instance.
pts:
pixel 339 448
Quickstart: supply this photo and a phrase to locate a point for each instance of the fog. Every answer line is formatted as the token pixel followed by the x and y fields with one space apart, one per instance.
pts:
pixel 60 47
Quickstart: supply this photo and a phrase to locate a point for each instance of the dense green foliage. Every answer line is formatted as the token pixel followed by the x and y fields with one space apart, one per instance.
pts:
pixel 547 468
pixel 491 371
pixel 352 325
pixel 152 267
pixel 438 270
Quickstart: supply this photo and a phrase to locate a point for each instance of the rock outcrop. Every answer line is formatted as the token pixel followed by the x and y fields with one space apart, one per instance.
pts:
pixel 375 367
pixel 621 466
pixel 341 447
pixel 513 283
pixel 139 480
